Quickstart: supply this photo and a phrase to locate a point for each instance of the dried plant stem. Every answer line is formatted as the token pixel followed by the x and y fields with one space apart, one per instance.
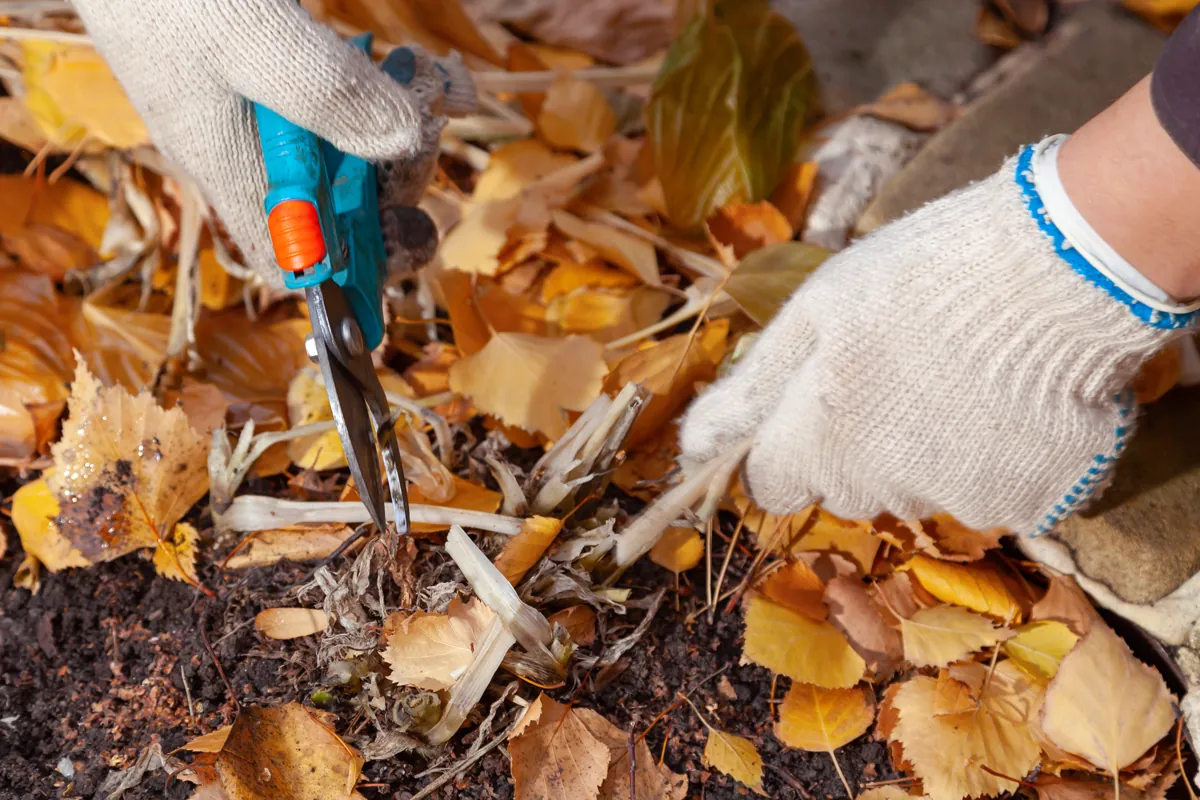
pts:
pixel 712 605
pixel 65 37
pixel 702 264
pixel 842 775
pixel 486 129
pixel 602 77
pixel 258 513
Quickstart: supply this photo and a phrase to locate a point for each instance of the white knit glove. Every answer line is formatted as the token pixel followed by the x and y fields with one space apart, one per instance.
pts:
pixel 960 360
pixel 189 67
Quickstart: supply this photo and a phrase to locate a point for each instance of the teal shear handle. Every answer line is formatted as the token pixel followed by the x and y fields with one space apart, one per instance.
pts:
pixel 323 209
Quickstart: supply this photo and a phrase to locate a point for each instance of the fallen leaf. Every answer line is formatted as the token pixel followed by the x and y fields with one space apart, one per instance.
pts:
pixel 308 402
pixel 669 370
pixel 175 556
pixel 618 31
pixel 218 289
pixel 977 586
pixel 296 543
pixel 530 381
pixel 772 531
pixel 953 696
pixel 679 549
pixel 897 597
pixel 1163 14
pixel 884 793
pixel 437 25
pixel 34 509
pixel 621 249
pixel 527 548
pixel 49 251
pixel 726 111
pixel 555 754
pixel 956 542
pixel 608 315
pixel 933 637
pixel 569 276
pixel 430 651
pixel 747 227
pixel 1065 602
pixel 911 106
pixel 794 191
pixel 580 622
pixel 947 751
pixel 120 346
pixel 513 166
pixel 286 751
pixel 803 649
pixel 1104 704
pixel 766 278
pixel 204 404
pixel 797 587
pixel 735 756
pixel 861 621
pixel 822 720
pixel 1039 647
pixel 856 539
pixel 209 742
pixel 127 469
pixel 654 781
pixel 575 115
pixel 290 623
pixel 476 245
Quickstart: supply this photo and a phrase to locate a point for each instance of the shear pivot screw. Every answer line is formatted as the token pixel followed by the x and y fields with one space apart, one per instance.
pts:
pixel 310 347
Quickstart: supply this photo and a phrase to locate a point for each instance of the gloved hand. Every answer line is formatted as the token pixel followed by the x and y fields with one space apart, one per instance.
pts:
pixel 191 67
pixel 959 360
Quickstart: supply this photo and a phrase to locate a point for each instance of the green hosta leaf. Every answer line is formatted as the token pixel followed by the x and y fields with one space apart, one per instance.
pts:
pixel 764 280
pixel 728 106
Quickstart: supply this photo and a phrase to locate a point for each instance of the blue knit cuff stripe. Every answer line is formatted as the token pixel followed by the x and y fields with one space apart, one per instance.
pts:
pixel 1037 209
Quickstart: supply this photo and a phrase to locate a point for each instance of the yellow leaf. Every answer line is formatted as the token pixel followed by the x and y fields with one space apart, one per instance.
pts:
pixel 580 622
pixel 976 586
pixel 1104 704
pixel 797 587
pixel 286 751
pixel 607 315
pixel 526 548
pixel 514 166
pixel 913 107
pixel 747 227
pixel 430 651
pixel 855 539
pixel 290 623
pixel 576 116
pixel 884 793
pixel 568 276
pixel 175 558
pixel 795 188
pixel 1039 647
pixel 476 244
pixel 72 93
pixel 127 469
pixel 948 751
pixel 735 756
pixel 308 402
pixel 209 742
pixel 678 550
pixel 531 381
pixel 953 696
pixel 555 754
pixel 803 649
pixel 218 289
pixel 34 509
pixel 617 247
pixel 933 637
pixel 822 720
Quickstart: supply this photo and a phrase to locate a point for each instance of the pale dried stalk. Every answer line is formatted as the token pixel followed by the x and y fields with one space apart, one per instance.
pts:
pixel 259 513
pixel 182 336
pixel 602 77
pixel 705 481
pixel 65 37
pixel 227 467
pixel 694 261
pixel 485 129
pixel 474 681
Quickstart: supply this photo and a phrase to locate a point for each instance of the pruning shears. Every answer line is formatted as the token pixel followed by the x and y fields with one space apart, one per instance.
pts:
pixel 323 215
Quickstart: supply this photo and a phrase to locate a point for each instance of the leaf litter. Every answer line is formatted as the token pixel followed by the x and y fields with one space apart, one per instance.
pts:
pixel 594 276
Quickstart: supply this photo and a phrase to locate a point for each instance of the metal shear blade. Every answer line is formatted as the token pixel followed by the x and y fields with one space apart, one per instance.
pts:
pixel 360 407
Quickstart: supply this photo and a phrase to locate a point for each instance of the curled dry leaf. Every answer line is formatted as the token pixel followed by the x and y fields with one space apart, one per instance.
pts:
pixel 913 107
pixel 856 615
pixel 797 587
pixel 1039 647
pixel 580 622
pixel 977 586
pixel 286 751
pixel 822 720
pixel 933 637
pixel 1104 704
pixel 290 623
pixel 430 651
pixel 531 381
pixel 295 543
pixel 467 496
pixel 34 510
pixel 1065 602
pixel 527 548
pixel 679 549
pixel 947 751
pixel 575 115
pixel 736 756
pixel 954 541
pixel 127 470
pixel 803 649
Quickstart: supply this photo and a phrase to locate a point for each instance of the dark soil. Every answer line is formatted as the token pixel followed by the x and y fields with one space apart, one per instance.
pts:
pixel 92 670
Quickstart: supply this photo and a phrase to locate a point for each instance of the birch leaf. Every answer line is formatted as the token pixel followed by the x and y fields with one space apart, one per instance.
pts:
pixel 128 470
pixel 947 751
pixel 822 720
pixel 976 586
pixel 576 116
pixel 621 249
pixel 803 649
pixel 797 587
pixel 735 756
pixel 1104 704
pixel 209 742
pixel 555 754
pixel 530 381
pixel 679 549
pixel 856 615
pixel 175 556
pixel 430 651
pixel 513 166
pixel 933 637
pixel 1039 647
pixel 855 539
pixel 580 622
pixel 1065 602
pixel 526 548
pixel 34 510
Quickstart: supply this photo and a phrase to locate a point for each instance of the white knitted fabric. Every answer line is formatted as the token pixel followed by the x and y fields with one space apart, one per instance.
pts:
pixel 959 360
pixel 189 66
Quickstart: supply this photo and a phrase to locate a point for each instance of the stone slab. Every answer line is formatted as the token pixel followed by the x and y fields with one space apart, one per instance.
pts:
pixel 862 48
pixel 1090 61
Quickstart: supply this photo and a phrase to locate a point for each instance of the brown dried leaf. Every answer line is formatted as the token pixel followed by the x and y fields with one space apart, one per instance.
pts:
pixel 576 116
pixel 555 752
pixel 913 107
pixel 618 31
pixel 580 622
pixel 747 227
pixel 1065 602
pixel 954 541
pixel 617 247
pixel 296 543
pixel 855 614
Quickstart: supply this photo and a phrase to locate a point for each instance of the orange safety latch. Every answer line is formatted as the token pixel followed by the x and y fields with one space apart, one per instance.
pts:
pixel 296 235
